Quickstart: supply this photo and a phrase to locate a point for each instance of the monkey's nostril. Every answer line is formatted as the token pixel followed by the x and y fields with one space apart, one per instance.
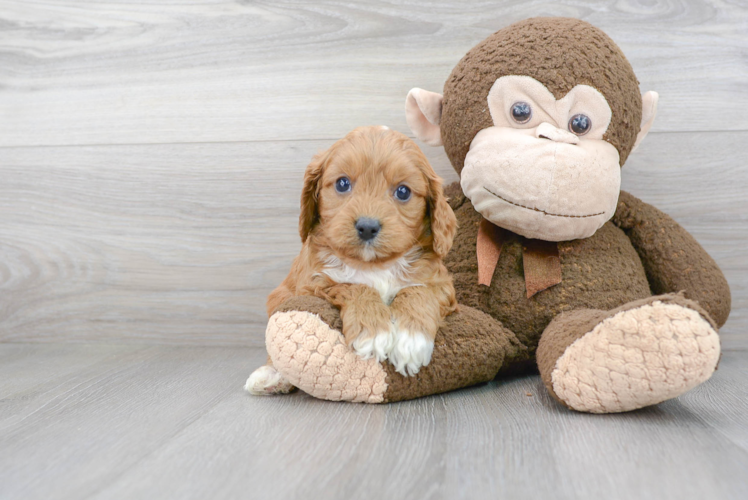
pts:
pixel 547 131
pixel 367 228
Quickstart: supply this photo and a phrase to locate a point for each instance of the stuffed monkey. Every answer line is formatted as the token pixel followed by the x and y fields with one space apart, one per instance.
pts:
pixel 615 304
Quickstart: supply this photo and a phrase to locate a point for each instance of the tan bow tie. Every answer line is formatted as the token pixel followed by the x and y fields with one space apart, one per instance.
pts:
pixel 540 260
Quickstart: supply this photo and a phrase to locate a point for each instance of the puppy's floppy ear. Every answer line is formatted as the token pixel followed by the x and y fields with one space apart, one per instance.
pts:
pixel 309 215
pixel 443 220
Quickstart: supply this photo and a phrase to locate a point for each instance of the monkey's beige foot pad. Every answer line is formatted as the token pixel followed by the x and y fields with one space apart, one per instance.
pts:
pixel 313 357
pixel 636 358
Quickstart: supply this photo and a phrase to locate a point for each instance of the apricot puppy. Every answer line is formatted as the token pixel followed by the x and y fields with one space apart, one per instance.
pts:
pixel 374 225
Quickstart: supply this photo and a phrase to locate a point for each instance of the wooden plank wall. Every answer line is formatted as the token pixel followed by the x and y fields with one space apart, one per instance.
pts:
pixel 151 154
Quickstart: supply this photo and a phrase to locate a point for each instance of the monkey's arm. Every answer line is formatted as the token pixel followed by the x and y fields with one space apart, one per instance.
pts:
pixel 673 259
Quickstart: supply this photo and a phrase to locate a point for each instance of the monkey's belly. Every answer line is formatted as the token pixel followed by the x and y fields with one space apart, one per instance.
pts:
pixel 600 272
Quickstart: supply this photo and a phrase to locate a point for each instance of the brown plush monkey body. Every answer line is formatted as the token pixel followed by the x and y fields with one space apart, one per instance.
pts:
pixel 601 276
pixel 553 265
pixel 593 277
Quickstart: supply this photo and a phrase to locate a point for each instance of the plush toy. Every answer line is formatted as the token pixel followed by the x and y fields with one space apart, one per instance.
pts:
pixel 555 267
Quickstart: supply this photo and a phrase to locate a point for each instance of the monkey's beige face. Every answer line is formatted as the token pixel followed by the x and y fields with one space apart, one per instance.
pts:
pixel 543 169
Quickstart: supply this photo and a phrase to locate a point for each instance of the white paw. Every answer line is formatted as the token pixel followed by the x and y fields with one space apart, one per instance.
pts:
pixel 266 381
pixel 378 346
pixel 411 351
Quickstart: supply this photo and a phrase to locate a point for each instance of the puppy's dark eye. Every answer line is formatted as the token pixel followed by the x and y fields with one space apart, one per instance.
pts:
pixel 521 112
pixel 580 124
pixel 343 185
pixel 402 193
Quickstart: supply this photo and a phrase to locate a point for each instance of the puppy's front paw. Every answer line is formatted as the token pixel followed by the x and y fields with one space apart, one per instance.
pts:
pixel 377 346
pixel 367 329
pixel 266 381
pixel 411 351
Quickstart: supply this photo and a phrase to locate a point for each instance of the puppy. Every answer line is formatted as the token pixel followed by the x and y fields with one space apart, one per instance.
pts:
pixel 374 225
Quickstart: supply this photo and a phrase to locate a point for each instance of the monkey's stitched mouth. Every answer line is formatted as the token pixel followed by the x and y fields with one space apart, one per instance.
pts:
pixel 538 210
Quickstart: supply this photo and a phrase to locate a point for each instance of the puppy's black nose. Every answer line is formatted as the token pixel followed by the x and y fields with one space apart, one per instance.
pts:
pixel 367 228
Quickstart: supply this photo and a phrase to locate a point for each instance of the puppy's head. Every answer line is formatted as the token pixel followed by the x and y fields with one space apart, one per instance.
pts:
pixel 373 196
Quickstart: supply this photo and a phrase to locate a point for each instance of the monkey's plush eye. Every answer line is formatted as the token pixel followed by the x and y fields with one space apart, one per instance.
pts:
pixel 580 124
pixel 402 193
pixel 521 112
pixel 343 185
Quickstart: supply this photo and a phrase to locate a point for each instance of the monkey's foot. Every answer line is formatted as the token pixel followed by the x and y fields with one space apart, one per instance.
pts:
pixel 314 356
pixel 638 355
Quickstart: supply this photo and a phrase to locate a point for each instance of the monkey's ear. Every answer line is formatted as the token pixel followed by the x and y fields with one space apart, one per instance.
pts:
pixel 309 215
pixel 649 110
pixel 423 112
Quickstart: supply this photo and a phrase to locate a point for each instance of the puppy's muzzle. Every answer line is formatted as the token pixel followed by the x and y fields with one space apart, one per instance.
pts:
pixel 367 228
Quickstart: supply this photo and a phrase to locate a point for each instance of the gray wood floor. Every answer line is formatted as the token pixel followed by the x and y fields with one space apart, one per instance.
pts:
pixel 122 421
pixel 151 156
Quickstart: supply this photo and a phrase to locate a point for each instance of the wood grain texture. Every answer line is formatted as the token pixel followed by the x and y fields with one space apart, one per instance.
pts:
pixel 174 243
pixel 175 71
pixel 151 154
pixel 97 410
pixel 181 243
pixel 124 422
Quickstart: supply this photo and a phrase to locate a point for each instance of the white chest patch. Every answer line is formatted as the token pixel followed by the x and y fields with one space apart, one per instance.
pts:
pixel 388 281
